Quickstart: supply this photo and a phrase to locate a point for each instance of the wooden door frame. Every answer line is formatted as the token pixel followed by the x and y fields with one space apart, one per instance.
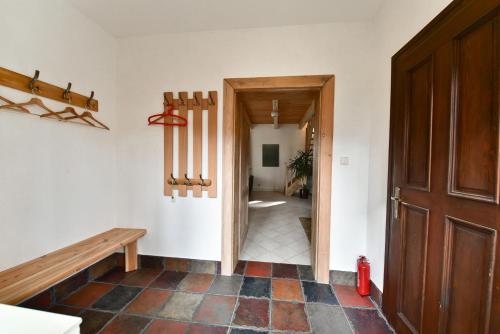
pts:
pixel 325 84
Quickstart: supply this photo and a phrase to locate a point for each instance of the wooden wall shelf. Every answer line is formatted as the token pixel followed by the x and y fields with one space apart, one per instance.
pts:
pixel 22 82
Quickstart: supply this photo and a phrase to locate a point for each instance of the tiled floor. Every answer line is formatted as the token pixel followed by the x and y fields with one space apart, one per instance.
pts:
pixel 267 298
pixel 275 233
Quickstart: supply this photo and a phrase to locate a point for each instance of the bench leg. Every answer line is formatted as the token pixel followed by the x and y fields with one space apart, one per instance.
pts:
pixel 131 256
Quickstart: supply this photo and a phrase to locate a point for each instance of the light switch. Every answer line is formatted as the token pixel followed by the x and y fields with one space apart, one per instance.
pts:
pixel 344 161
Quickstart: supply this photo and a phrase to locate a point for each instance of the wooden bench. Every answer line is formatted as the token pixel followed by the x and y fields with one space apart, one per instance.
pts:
pixel 28 279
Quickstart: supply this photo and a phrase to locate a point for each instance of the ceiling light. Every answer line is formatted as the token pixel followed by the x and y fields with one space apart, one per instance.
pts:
pixel 275 112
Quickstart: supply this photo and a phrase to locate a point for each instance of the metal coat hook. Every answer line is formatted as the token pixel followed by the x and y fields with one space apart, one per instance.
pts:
pixel 34 89
pixel 181 100
pixel 166 100
pixel 67 92
pixel 174 181
pixel 197 102
pixel 202 183
pixel 211 99
pixel 188 181
pixel 89 101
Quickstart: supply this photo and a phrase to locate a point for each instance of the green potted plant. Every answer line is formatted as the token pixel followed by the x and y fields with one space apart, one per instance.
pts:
pixel 301 167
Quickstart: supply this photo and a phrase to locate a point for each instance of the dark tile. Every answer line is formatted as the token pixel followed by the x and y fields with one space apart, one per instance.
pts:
pixel 367 321
pixel 256 287
pixel 181 306
pixel 175 264
pixel 218 267
pixel 226 285
pixel 167 326
pixel 102 267
pixel 148 261
pixel 342 277
pixel 287 289
pixel 94 321
pixel 319 293
pixel 117 298
pixel 203 267
pixel 194 282
pixel 289 317
pixel 349 297
pixel 142 277
pixel 258 269
pixel 168 280
pixel 326 319
pixel 88 295
pixel 115 275
pixel 240 268
pixel 149 302
pixel 306 273
pixel 42 301
pixel 126 324
pixel 283 270
pixel 66 287
pixel 252 312
pixel 204 329
pixel 245 331
pixel 215 310
pixel 67 310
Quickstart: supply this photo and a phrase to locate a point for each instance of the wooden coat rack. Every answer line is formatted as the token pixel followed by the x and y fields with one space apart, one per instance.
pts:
pixel 197 183
pixel 34 86
pixel 39 88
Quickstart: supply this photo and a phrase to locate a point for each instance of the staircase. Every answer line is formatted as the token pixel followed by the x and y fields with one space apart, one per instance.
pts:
pixel 292 186
pixel 309 137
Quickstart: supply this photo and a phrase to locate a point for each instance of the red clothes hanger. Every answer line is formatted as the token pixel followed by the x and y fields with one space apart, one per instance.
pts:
pixel 160 119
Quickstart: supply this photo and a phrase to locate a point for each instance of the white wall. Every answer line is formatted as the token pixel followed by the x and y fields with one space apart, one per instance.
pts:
pixel 56 180
pixel 396 23
pixel 290 138
pixel 151 65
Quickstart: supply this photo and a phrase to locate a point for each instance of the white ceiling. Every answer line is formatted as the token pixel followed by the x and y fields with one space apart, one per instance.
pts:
pixel 125 18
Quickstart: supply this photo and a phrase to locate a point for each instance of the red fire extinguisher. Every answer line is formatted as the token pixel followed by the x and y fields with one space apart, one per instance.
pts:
pixel 363 276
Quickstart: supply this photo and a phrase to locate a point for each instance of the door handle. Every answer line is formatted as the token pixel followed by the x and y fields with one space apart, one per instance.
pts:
pixel 396 199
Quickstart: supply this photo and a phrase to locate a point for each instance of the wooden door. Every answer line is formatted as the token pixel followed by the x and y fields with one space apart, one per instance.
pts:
pixel 244 161
pixel 313 124
pixel 442 265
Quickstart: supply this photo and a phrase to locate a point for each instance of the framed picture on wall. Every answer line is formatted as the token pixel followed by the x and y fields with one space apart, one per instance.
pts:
pixel 270 155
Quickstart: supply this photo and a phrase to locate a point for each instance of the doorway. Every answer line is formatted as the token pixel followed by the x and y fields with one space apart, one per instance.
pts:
pixel 442 251
pixel 236 192
pixel 276 163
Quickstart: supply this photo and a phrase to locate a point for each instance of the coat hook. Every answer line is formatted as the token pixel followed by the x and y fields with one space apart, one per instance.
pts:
pixel 34 89
pixel 211 98
pixel 197 102
pixel 67 92
pixel 166 100
pixel 174 181
pixel 181 100
pixel 89 101
pixel 202 183
pixel 188 181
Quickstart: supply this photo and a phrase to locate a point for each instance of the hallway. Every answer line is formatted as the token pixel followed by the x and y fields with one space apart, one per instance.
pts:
pixel 275 233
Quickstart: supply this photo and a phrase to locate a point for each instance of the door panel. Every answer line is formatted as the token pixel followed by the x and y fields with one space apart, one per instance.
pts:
pixel 467 276
pixel 418 112
pixel 414 224
pixel 474 137
pixel 442 264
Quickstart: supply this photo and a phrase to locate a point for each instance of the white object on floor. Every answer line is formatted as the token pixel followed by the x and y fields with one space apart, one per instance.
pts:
pixel 275 233
pixel 20 320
